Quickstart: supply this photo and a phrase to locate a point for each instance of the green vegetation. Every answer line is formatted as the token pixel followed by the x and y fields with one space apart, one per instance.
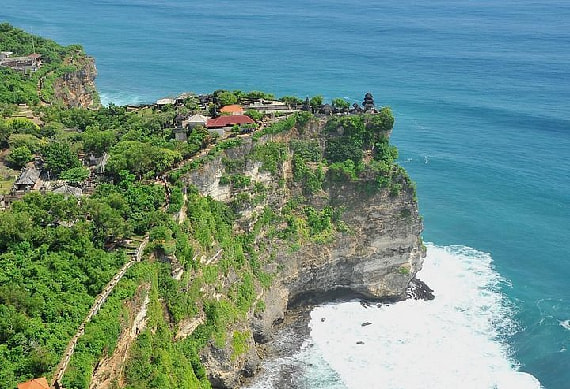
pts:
pixel 61 245
pixel 49 276
pixel 58 158
pixel 271 155
pixel 291 100
pixel 341 149
pixel 156 360
pixel 340 103
pixel 226 98
pixel 238 181
pixel 176 200
pixel 304 223
pixel 141 158
pixel 308 150
pixel 102 333
pixel 75 175
pixel 299 118
pixel 312 178
pixel 58 253
pixel 344 171
pixel 307 166
pixel 255 115
pixel 18 87
pixel 239 343
pixel 19 156
pixel 316 102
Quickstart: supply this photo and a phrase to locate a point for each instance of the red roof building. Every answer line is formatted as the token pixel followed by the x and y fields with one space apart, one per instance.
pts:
pixel 36 383
pixel 229 121
pixel 233 109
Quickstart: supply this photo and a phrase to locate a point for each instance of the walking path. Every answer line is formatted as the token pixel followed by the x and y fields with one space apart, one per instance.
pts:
pixel 99 301
pixel 136 257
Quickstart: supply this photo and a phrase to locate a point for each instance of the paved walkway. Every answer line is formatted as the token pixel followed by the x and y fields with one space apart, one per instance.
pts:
pixel 99 301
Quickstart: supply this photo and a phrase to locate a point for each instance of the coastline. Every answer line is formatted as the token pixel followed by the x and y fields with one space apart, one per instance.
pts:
pixel 437 120
pixel 279 362
pixel 289 338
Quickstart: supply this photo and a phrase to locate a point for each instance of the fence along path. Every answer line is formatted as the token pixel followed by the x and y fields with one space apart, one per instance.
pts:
pixel 99 301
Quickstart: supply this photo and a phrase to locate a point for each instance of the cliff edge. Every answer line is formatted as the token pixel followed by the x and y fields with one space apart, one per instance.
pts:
pixel 75 88
pixel 331 214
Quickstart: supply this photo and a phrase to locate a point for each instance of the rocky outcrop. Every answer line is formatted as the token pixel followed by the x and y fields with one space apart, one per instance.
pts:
pixel 76 89
pixel 376 257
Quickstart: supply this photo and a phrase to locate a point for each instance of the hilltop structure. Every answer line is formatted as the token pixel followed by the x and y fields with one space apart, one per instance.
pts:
pixel 25 64
pixel 368 103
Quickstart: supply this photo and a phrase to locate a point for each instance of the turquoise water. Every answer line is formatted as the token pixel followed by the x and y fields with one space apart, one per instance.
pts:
pixel 480 89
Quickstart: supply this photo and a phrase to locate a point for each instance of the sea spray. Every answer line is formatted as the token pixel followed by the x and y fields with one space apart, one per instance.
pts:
pixel 456 340
pixel 123 98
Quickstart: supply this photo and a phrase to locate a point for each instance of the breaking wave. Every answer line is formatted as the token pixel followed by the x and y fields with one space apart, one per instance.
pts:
pixel 457 340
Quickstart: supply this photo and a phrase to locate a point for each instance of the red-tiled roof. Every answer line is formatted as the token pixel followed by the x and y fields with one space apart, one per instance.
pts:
pixel 228 121
pixel 231 109
pixel 36 383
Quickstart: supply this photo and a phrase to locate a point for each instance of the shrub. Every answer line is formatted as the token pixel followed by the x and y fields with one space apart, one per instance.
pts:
pixel 340 149
pixel 75 175
pixel 341 171
pixel 19 157
pixel 58 157
pixel 176 200
pixel 239 343
pixel 307 150
pixel 271 155
pixel 255 115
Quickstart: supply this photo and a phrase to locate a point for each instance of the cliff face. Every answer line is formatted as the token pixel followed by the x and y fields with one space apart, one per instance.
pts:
pixel 76 89
pixel 374 253
pixel 377 257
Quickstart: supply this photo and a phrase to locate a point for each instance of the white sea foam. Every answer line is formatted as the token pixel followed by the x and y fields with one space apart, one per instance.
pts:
pixel 120 98
pixel 454 341
pixel 306 369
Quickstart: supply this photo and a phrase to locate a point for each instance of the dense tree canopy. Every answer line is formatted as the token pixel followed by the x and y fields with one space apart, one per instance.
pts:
pixel 340 103
pixel 141 158
pixel 49 275
pixel 19 156
pixel 58 158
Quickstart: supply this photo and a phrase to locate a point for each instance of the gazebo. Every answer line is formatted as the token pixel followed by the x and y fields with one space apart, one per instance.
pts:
pixel 27 179
pixel 196 120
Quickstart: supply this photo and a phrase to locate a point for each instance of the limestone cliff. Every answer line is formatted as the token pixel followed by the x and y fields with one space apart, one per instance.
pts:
pixel 75 88
pixel 372 247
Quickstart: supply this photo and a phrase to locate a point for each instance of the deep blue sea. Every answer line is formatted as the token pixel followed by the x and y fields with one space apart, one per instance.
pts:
pixel 481 94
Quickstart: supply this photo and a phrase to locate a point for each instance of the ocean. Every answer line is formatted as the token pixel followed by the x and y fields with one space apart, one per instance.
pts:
pixel 481 95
